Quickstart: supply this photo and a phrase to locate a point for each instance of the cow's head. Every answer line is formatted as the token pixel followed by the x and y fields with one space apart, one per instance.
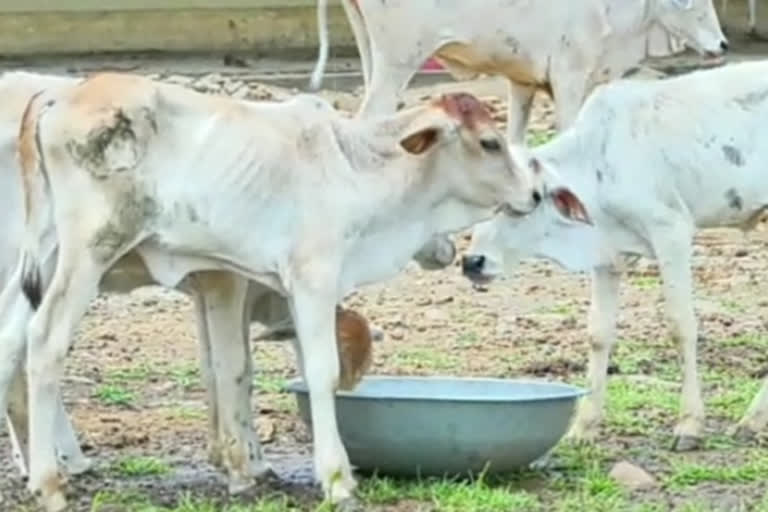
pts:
pixel 560 230
pixel 695 22
pixel 466 163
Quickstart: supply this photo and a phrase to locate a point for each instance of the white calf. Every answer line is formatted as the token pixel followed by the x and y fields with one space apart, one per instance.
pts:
pixel 129 273
pixel 292 195
pixel 653 161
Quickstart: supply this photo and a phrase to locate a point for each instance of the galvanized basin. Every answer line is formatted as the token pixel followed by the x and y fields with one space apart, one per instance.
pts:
pixel 406 426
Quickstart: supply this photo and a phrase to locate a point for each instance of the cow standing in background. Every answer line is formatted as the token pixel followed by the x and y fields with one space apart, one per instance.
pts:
pixel 562 48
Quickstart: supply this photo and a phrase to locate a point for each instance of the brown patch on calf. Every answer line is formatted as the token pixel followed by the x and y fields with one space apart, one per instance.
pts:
pixel 354 341
pixel 27 149
pixel 465 107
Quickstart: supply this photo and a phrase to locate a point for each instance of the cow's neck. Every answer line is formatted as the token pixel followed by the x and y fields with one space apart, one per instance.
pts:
pixel 571 154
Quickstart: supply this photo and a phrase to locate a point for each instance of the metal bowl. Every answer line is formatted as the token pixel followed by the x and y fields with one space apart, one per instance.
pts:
pixel 437 426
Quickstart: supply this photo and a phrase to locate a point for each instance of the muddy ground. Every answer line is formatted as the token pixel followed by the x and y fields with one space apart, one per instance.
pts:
pixel 134 390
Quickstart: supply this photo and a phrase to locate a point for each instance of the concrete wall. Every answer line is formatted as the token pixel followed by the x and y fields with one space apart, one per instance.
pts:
pixel 258 27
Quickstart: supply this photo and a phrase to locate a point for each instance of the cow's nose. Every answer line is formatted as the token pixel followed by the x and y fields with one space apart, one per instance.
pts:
pixel 472 265
pixel 724 45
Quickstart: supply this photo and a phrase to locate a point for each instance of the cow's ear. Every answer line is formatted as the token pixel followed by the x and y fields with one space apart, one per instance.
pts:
pixel 419 142
pixel 569 205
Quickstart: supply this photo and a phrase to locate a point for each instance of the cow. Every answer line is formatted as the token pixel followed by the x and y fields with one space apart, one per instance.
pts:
pixel 650 167
pixel 266 307
pixel 539 45
pixel 751 15
pixel 292 195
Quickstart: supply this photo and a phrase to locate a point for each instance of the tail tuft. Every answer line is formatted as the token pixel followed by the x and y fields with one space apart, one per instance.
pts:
pixel 31 284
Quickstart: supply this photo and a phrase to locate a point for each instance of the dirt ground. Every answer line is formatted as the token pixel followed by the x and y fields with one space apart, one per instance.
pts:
pixel 134 390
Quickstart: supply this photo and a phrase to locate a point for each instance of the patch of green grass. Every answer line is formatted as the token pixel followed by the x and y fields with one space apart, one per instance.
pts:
pixel 634 407
pixel 645 282
pixel 134 502
pixel 186 376
pixel 269 383
pixel 140 372
pixel 468 339
pixel 733 394
pixel 557 309
pixel 188 413
pixel 732 306
pixel 114 394
pixel 686 474
pixel 425 358
pixel 141 466
pixel 126 501
pixel 450 496
pixel 538 137
pixel 747 340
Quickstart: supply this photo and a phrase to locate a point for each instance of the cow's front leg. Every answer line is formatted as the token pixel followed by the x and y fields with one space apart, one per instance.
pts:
pixel 603 311
pixel 314 314
pixel 673 247
pixel 224 296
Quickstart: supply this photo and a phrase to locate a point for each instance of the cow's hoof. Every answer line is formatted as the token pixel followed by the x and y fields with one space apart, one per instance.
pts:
pixel 77 466
pixel 55 502
pixel 686 443
pixel 742 433
pixel 239 485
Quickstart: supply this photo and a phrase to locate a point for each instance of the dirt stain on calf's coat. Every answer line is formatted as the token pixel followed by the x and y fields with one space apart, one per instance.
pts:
pixel 733 155
pixel 115 139
pixel 734 199
pixel 132 211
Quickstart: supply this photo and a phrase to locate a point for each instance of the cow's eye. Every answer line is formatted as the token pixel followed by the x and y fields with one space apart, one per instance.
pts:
pixel 490 144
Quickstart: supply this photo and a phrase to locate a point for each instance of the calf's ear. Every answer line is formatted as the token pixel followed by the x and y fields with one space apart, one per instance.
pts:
pixel 420 141
pixel 569 205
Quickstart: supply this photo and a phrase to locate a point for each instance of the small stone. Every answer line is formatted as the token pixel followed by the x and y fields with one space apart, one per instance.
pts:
pixel 265 428
pixel 631 476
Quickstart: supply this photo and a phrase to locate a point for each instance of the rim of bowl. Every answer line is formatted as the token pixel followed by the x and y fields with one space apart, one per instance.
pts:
pixel 566 391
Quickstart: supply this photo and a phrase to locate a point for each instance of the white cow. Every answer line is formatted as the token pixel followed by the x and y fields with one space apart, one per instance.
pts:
pixel 751 15
pixel 564 49
pixel 292 195
pixel 262 305
pixel 653 162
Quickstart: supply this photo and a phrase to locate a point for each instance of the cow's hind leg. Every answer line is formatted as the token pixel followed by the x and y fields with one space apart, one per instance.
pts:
pixel 673 247
pixel 206 369
pixel 756 417
pixel 68 449
pixel 50 334
pixel 224 296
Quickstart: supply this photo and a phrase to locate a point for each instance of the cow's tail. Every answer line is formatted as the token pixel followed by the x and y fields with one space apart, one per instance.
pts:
pixel 39 236
pixel 322 34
